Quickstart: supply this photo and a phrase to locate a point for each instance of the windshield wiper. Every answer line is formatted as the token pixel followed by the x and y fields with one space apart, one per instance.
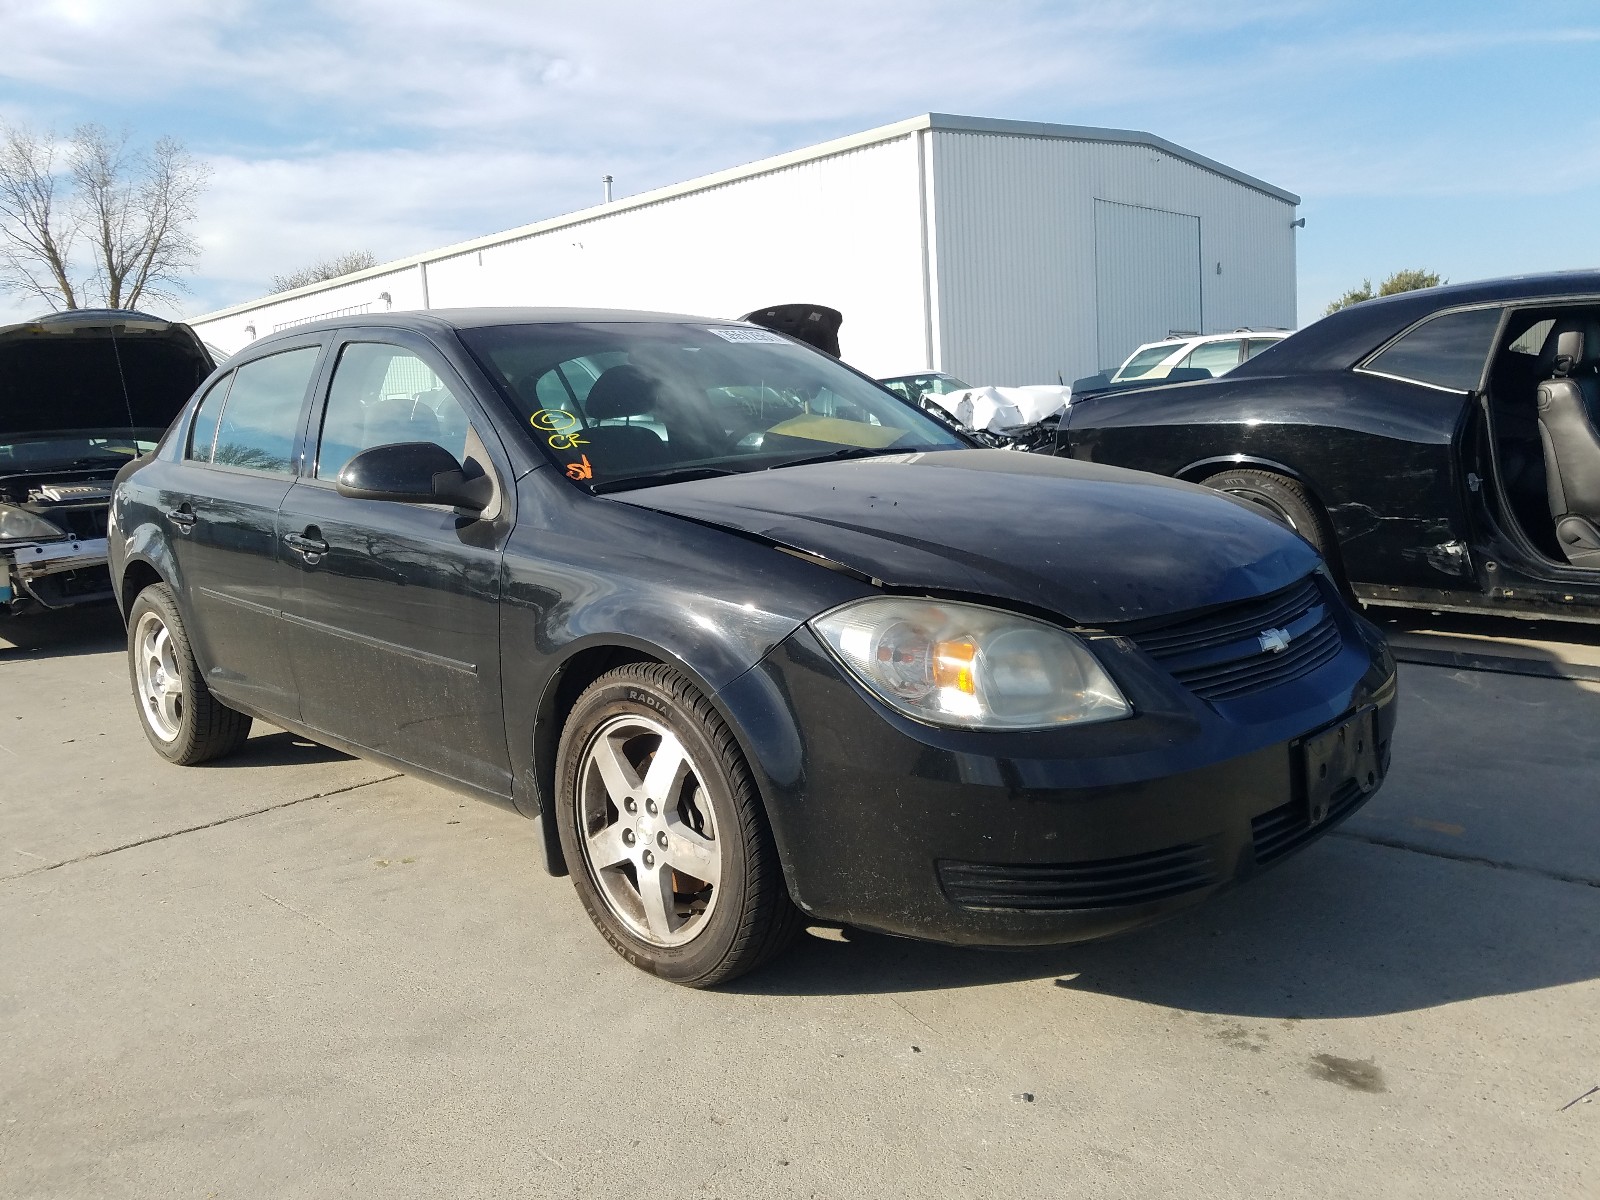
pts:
pixel 842 452
pixel 671 475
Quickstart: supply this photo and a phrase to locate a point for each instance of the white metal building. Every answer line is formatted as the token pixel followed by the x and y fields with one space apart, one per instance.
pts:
pixel 1005 252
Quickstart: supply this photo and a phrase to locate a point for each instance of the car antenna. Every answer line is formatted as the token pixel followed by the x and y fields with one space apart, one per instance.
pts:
pixel 127 400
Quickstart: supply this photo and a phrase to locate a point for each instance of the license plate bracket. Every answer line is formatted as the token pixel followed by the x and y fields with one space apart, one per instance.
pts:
pixel 1343 754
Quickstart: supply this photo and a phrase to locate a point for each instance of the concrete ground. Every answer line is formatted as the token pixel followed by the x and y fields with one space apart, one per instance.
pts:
pixel 296 974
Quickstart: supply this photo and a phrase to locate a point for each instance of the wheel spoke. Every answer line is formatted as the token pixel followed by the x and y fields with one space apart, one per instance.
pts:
pixel 655 889
pixel 169 660
pixel 606 848
pixel 664 781
pixel 620 778
pixel 690 854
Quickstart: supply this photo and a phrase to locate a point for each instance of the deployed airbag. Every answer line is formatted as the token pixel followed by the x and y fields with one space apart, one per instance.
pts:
pixel 1002 408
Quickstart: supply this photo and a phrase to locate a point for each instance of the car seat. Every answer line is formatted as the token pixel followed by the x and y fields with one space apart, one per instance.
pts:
pixel 1569 417
pixel 620 392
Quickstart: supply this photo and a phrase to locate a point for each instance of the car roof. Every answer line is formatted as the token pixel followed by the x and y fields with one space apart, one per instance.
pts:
pixel 1341 338
pixel 436 319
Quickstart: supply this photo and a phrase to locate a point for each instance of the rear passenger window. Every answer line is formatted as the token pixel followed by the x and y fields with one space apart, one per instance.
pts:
pixel 262 413
pixel 384 394
pixel 1447 351
pixel 203 433
pixel 1217 357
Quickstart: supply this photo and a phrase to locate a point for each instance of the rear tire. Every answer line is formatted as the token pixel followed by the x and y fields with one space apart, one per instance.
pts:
pixel 1282 499
pixel 185 723
pixel 664 833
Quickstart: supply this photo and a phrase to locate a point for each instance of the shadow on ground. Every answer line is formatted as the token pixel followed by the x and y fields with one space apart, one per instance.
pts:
pixel 1347 929
pixel 90 629
pixel 270 747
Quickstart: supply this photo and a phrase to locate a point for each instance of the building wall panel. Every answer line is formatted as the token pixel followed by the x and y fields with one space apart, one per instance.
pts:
pixel 1016 250
pixel 843 231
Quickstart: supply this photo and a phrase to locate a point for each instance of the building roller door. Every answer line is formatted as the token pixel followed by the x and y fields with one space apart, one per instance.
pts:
pixel 1147 277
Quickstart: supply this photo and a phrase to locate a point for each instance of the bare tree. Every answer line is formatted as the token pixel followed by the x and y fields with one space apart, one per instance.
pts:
pixel 37 228
pixel 131 210
pixel 328 268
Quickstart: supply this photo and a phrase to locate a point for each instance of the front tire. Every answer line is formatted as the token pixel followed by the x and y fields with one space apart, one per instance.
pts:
pixel 185 723
pixel 664 832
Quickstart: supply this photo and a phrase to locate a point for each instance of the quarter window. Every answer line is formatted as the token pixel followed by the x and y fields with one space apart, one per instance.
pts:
pixel 1447 351
pixel 383 394
pixel 203 433
pixel 262 414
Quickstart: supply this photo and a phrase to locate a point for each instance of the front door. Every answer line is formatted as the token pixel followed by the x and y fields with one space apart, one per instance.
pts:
pixel 393 609
pixel 221 505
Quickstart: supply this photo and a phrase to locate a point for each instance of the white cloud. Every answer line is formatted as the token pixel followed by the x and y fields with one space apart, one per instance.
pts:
pixel 398 125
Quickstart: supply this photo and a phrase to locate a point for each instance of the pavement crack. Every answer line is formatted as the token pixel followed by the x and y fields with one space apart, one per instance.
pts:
pixel 1478 860
pixel 287 907
pixel 161 837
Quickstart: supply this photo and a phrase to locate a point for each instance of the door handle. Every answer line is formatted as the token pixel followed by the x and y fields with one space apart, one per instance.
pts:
pixel 310 547
pixel 183 518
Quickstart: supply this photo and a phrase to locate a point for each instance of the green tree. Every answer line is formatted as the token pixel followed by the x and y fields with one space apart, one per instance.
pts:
pixel 1408 280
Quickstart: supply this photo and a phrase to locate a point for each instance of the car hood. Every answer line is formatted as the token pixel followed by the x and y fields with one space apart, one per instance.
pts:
pixel 1094 544
pixel 96 369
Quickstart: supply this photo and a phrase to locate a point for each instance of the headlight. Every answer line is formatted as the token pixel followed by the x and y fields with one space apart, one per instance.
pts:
pixel 970 666
pixel 20 525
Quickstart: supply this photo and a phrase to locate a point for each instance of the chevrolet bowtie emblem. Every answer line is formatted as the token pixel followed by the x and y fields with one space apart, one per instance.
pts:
pixel 1274 641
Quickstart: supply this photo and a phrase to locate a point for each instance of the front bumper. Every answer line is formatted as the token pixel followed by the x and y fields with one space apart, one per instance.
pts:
pixel 1039 838
pixel 54 574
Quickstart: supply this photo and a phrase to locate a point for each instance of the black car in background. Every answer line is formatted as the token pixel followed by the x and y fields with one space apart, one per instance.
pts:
pixel 748 635
pixel 1439 447
pixel 81 393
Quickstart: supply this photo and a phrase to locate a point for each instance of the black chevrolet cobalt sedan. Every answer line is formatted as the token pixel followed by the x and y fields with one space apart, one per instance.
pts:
pixel 748 635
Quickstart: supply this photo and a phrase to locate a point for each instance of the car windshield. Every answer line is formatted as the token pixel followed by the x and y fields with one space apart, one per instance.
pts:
pixel 65 448
pixel 630 404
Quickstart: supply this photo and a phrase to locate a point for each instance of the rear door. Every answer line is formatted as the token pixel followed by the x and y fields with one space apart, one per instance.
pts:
pixel 393 609
pixel 221 507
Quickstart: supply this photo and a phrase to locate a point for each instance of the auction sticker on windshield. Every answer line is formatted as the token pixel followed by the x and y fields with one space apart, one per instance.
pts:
pixel 736 334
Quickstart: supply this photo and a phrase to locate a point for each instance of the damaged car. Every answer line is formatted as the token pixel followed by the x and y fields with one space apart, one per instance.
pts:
pixel 752 640
pixel 1440 448
pixel 82 392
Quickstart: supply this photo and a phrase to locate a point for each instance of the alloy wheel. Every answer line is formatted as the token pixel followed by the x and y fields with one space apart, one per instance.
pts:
pixel 159 677
pixel 648 830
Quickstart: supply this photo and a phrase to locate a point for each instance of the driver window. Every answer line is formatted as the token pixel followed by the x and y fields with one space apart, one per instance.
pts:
pixel 383 394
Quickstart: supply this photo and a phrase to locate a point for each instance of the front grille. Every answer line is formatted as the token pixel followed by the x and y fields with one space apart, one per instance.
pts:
pixel 1068 887
pixel 1219 655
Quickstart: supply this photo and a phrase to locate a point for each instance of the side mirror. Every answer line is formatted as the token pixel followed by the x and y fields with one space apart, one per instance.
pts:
pixel 415 473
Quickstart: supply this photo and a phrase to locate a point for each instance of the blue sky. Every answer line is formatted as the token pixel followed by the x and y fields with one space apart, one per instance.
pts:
pixel 1460 137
